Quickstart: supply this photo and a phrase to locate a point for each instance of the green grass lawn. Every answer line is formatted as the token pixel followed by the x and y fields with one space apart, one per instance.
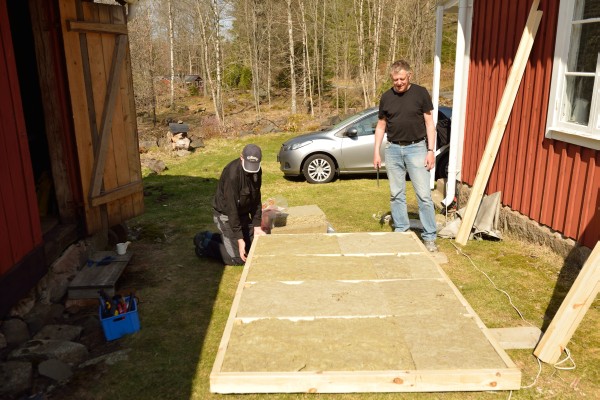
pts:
pixel 185 301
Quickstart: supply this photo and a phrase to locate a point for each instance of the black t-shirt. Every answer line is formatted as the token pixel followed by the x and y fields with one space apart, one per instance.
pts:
pixel 403 113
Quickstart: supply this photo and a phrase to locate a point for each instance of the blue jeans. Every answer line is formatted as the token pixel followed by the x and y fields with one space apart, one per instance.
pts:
pixel 398 161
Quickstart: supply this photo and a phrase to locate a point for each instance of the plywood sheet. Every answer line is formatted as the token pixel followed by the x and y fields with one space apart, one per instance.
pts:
pixel 364 312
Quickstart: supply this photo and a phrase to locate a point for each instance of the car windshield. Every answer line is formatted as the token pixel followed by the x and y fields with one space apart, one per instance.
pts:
pixel 351 119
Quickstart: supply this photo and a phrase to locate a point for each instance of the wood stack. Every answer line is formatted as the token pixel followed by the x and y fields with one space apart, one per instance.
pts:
pixel 177 135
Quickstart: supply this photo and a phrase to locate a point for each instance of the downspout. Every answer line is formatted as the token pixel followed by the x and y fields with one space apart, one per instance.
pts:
pixel 437 67
pixel 459 101
pixel 437 61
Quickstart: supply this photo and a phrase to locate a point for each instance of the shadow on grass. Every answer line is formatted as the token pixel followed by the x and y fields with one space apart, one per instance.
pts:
pixel 571 268
pixel 177 292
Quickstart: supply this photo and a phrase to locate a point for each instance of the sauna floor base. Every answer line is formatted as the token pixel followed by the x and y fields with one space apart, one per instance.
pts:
pixel 358 312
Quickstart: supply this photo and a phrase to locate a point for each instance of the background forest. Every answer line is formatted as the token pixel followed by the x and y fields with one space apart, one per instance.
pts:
pixel 307 56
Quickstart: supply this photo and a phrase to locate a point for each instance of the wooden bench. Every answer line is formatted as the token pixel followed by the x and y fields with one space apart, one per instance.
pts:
pixel 93 276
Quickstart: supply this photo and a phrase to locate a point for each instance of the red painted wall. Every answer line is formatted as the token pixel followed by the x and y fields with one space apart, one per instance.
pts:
pixel 552 182
pixel 20 229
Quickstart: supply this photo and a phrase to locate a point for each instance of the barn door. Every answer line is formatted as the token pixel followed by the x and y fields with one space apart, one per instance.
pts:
pixel 100 83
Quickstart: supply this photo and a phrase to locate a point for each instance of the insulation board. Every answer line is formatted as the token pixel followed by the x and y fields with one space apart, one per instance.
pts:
pixel 353 312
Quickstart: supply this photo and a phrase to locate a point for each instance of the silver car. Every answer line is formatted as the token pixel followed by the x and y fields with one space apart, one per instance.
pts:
pixel 347 148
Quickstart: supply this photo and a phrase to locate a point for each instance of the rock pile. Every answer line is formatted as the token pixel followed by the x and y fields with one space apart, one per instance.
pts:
pixel 46 339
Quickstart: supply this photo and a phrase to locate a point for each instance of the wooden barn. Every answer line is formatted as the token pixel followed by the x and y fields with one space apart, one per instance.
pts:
pixel 69 158
pixel 548 163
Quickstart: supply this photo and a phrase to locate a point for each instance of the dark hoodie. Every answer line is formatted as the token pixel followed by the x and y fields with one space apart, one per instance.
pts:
pixel 238 194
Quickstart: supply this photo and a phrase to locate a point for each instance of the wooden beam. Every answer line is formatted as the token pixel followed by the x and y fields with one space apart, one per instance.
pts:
pixel 499 126
pixel 108 113
pixel 96 27
pixel 571 311
pixel 117 193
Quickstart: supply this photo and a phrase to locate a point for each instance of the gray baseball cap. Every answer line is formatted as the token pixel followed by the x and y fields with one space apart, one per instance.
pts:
pixel 251 157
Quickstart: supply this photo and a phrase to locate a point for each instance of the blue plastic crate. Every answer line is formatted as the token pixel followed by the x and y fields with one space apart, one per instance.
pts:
pixel 119 325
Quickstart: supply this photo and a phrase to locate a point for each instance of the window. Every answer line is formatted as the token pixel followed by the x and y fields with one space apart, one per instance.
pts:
pixel 574 107
pixel 367 125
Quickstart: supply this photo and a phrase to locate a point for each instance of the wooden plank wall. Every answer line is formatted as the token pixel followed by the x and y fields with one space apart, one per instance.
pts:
pixel 552 182
pixel 20 229
pixel 90 54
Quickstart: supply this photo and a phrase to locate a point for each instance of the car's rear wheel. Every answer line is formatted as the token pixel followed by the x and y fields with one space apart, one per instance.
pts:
pixel 319 168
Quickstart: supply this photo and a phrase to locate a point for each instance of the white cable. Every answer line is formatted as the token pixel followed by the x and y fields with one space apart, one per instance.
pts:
pixel 557 365
pixel 567 358
pixel 537 376
pixel 493 284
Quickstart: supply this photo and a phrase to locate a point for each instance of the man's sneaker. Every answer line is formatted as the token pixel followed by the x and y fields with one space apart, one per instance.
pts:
pixel 430 245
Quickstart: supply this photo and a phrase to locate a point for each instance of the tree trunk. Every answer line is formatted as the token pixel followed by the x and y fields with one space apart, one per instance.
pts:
pixel 291 57
pixel 359 16
pixel 204 37
pixel 375 55
pixel 308 70
pixel 172 55
pixel 217 29
pixel 394 34
pixel 269 15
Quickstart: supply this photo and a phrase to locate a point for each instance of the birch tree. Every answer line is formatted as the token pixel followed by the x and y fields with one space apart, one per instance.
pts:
pixel 171 53
pixel 394 34
pixel 208 18
pixel 308 71
pixel 378 17
pixel 360 30
pixel 143 60
pixel 290 27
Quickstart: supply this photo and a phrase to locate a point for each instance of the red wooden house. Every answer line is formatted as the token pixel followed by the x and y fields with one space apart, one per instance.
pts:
pixel 69 160
pixel 548 164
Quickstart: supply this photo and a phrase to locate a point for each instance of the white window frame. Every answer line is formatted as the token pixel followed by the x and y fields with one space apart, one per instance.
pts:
pixel 555 128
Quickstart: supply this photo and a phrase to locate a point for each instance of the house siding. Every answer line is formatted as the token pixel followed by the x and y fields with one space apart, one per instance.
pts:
pixel 20 229
pixel 552 182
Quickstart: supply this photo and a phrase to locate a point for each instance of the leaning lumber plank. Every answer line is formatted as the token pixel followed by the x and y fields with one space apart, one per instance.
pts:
pixel 499 126
pixel 571 311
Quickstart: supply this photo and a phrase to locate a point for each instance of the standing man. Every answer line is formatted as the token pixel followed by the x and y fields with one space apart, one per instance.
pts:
pixel 237 210
pixel 405 114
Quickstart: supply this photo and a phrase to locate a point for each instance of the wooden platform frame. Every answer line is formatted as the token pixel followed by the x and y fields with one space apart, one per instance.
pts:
pixel 227 378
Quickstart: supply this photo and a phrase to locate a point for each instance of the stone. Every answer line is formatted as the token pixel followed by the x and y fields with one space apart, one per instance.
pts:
pixel 146 145
pixel 71 259
pixel 56 370
pixel 24 305
pixel 154 165
pixel 40 350
pixel 15 331
pixel 3 342
pixel 198 142
pixel 39 316
pixel 59 332
pixel 16 378
pixel 109 359
pixel 182 144
pixel 58 286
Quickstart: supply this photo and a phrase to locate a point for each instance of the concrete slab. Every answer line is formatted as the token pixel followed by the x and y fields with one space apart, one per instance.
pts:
pixel 300 219
pixel 518 337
